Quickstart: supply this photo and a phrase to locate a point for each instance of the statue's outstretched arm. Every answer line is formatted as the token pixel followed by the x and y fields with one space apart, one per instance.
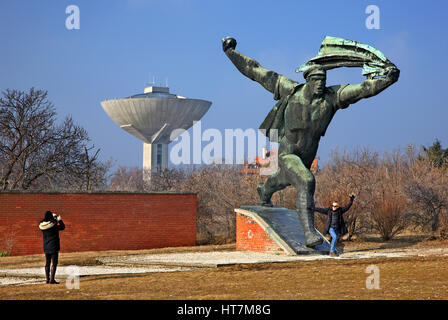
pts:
pixel 369 88
pixel 249 67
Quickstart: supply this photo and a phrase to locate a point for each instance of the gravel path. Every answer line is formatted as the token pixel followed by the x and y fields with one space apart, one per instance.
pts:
pixel 84 270
pixel 19 281
pixel 218 258
pixel 36 275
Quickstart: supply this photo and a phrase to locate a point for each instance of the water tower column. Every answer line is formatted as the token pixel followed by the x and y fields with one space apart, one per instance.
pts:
pixel 164 155
pixel 155 156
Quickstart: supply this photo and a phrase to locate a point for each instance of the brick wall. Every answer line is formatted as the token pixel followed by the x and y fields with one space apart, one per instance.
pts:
pixel 99 221
pixel 251 236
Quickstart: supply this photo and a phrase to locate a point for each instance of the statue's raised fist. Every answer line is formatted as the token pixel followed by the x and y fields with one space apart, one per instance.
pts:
pixel 393 73
pixel 228 43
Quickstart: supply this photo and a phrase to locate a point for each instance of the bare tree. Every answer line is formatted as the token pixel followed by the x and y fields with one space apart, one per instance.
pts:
pixel 126 179
pixel 164 180
pixel 35 152
pixel 427 188
pixel 86 174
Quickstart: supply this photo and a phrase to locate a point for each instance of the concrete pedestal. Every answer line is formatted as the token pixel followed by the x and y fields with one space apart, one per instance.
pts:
pixel 275 230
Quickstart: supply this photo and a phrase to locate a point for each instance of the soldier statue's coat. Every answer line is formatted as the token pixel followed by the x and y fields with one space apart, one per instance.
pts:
pixel 276 117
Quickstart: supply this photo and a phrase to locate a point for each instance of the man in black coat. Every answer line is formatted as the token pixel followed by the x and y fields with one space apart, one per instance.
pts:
pixel 334 224
pixel 50 226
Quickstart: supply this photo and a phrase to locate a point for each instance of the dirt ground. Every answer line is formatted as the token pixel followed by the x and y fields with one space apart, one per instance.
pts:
pixel 399 278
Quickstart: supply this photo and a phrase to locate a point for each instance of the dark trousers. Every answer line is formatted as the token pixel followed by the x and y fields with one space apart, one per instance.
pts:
pixel 51 257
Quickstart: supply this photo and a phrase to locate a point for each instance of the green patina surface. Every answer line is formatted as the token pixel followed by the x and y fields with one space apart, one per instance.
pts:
pixel 337 52
pixel 305 110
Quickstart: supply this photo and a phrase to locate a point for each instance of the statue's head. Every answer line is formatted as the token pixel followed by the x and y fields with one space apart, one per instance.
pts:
pixel 316 78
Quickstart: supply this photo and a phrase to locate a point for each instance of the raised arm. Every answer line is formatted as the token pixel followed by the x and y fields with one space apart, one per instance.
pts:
pixel 345 209
pixel 352 93
pixel 321 210
pixel 61 225
pixel 270 80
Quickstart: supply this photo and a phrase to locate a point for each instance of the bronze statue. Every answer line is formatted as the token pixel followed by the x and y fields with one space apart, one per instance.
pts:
pixel 305 110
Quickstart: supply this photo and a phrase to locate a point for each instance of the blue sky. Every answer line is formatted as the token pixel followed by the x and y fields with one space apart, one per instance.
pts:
pixel 122 45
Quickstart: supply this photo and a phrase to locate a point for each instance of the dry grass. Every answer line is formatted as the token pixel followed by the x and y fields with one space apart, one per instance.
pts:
pixel 405 278
pixel 400 278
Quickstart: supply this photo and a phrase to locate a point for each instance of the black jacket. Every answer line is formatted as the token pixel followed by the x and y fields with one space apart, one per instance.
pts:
pixel 50 230
pixel 342 228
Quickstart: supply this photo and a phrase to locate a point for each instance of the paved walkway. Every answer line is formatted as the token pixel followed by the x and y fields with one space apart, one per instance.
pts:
pixel 220 258
pixel 37 275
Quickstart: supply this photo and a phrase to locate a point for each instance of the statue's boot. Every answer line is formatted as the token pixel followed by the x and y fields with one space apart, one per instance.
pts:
pixel 265 199
pixel 305 201
pixel 307 220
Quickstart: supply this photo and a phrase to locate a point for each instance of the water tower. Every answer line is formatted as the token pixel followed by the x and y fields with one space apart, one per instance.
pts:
pixel 152 116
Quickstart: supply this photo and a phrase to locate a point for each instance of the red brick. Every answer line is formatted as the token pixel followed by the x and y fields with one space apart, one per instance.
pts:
pixel 251 236
pixel 100 221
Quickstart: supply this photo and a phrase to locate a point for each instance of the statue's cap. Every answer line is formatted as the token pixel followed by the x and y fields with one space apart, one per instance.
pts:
pixel 313 70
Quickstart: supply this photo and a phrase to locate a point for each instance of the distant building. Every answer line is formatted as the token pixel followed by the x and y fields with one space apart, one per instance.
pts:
pixel 315 166
pixel 250 168
pixel 264 161
pixel 153 116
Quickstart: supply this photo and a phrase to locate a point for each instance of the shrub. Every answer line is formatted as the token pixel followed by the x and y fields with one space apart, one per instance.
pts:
pixel 4 253
pixel 388 215
pixel 427 188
